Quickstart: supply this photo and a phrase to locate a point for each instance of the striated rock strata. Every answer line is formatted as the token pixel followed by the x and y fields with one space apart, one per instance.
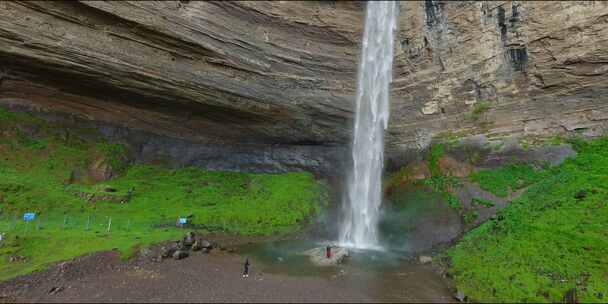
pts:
pixel 236 82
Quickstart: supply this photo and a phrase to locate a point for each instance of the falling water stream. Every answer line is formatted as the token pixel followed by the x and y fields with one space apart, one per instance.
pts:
pixel 364 194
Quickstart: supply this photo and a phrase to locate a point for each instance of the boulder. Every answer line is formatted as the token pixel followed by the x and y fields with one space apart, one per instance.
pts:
pixel 206 244
pixel 179 245
pixel 425 259
pixel 167 251
pixel 145 252
pixel 189 239
pixel 180 254
pixel 196 246
pixel 100 170
pixel 107 188
pixel 580 195
pixel 319 257
pixel 460 296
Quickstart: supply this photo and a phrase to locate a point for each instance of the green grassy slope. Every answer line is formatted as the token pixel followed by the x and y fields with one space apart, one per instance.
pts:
pixel 34 171
pixel 548 241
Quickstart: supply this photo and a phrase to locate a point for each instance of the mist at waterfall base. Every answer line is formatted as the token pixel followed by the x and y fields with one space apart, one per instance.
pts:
pixel 363 198
pixel 377 237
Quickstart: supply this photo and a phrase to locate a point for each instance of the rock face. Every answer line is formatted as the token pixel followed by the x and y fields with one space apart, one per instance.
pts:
pixel 499 68
pixel 269 86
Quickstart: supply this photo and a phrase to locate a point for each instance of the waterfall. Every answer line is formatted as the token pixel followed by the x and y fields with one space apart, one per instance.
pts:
pixel 364 185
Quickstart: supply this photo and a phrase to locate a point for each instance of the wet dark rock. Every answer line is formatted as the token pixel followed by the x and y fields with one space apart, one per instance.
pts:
pixel 571 296
pixel 145 252
pixel 189 239
pixel 180 254
pixel 55 290
pixel 109 189
pixel 206 244
pixel 201 244
pixel 196 246
pixel 580 194
pixel 179 245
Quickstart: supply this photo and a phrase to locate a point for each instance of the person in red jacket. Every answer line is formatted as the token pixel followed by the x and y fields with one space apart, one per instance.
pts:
pixel 328 251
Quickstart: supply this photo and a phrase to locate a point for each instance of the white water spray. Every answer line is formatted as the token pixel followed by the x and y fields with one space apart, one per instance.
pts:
pixel 364 193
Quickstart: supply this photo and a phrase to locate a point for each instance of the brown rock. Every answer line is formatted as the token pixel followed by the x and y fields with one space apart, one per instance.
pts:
pixel 100 170
pixel 453 167
pixel 285 72
pixel 418 170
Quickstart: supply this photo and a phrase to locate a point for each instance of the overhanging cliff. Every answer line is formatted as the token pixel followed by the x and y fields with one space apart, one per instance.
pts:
pixel 259 75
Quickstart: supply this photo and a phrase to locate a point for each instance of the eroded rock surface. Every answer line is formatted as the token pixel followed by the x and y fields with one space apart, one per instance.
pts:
pixel 237 79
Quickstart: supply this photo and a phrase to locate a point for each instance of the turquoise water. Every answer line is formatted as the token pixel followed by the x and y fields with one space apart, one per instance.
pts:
pixel 286 257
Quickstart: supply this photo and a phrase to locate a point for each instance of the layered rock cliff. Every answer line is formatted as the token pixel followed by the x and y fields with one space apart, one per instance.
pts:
pixel 504 68
pixel 271 79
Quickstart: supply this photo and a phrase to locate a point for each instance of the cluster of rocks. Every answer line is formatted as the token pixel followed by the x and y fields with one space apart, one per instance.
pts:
pixel 181 249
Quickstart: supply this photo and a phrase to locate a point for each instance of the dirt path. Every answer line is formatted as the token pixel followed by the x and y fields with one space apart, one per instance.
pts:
pixel 214 277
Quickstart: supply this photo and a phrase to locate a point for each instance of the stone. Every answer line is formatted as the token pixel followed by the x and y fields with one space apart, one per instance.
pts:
pixel 581 194
pixel 189 239
pixel 180 245
pixel 571 297
pixel 180 254
pixel 196 246
pixel 460 296
pixel 207 244
pixel 319 258
pixel 55 290
pixel 425 259
pixel 145 252
pixel 107 188
pixel 201 244
pixel 167 251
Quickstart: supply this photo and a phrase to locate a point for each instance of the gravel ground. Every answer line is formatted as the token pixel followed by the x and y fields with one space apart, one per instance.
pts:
pixel 215 277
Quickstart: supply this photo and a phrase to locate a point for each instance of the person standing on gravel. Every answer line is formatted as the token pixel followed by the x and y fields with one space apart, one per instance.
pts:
pixel 246 268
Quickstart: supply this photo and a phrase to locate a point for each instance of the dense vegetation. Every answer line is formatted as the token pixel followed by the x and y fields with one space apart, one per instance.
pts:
pixel 38 161
pixel 550 241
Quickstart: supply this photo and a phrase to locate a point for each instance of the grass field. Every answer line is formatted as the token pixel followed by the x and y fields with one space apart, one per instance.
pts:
pixel 552 239
pixel 34 170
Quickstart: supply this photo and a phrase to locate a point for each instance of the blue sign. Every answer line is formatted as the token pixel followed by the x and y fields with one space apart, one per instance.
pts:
pixel 183 220
pixel 29 216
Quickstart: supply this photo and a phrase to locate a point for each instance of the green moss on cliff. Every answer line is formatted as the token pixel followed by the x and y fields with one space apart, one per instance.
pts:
pixel 506 179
